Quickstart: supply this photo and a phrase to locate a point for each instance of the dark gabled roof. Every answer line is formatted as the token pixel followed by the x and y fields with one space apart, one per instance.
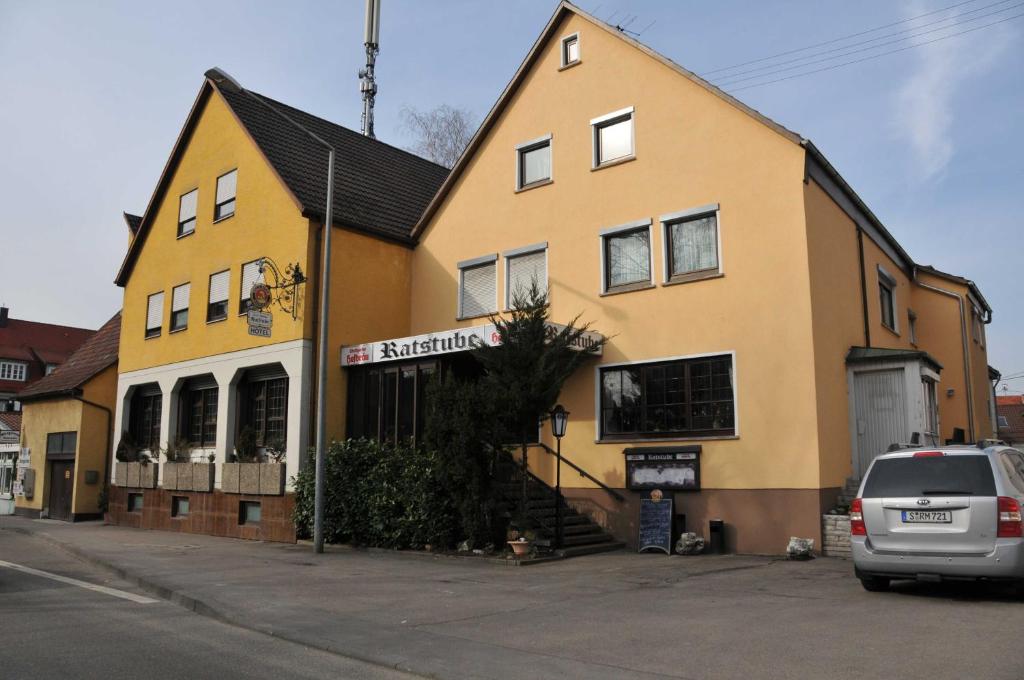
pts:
pixel 865 354
pixel 379 189
pixel 133 222
pixel 32 342
pixel 95 354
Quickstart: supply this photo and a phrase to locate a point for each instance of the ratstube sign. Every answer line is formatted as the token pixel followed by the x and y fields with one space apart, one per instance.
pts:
pixel 443 342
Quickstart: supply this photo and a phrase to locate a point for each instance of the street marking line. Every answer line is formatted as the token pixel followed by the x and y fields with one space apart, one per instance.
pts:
pixel 113 592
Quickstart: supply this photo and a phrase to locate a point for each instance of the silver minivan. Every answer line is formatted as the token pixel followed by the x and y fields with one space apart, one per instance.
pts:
pixel 951 513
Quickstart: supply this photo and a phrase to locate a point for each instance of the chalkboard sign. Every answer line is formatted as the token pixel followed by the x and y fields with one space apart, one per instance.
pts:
pixel 655 525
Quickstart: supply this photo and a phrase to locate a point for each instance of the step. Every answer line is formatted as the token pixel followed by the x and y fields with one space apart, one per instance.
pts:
pixel 586 539
pixel 580 550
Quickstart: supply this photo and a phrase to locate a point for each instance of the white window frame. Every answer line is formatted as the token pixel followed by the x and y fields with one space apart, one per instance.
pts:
pixel 472 264
pixel 227 296
pixel 195 215
pixel 596 124
pixel 159 329
pixel 604 234
pixel 243 294
pixel 15 371
pixel 735 398
pixel 510 255
pixel 667 221
pixel 186 308
pixel 217 203
pixel 532 145
pixel 564 55
pixel 884 277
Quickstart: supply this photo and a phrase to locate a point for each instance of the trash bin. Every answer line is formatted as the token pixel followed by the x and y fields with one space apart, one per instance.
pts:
pixel 716 537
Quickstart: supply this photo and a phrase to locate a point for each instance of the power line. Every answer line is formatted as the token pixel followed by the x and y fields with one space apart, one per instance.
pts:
pixel 835 40
pixel 883 37
pixel 876 56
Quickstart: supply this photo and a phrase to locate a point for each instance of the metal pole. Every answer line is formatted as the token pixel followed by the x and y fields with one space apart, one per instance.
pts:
pixel 558 495
pixel 321 379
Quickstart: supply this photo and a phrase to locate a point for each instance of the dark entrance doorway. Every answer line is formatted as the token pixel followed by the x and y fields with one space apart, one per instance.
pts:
pixel 62 483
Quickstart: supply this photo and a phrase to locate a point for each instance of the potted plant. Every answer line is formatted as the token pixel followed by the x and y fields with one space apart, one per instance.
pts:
pixel 202 474
pixel 272 469
pixel 126 453
pixel 519 542
pixel 178 468
pixel 148 471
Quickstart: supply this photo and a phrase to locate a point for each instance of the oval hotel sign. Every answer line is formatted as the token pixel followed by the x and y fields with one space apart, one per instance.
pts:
pixel 443 342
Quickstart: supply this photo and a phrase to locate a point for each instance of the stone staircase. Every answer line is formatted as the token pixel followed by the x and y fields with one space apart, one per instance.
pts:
pixel 835 525
pixel 580 534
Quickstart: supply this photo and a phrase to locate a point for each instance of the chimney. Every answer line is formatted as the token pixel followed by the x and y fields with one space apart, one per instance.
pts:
pixel 3 317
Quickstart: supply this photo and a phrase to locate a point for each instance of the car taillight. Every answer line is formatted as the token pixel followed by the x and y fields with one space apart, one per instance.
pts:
pixel 1009 518
pixel 929 454
pixel 857 527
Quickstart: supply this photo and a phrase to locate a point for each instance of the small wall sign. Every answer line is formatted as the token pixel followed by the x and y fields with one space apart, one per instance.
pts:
pixel 664 467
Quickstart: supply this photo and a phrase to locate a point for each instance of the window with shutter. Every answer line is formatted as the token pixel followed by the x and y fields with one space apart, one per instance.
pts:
pixel 613 137
pixel 154 314
pixel 217 307
pixel 525 270
pixel 478 293
pixel 179 307
pixel 226 186
pixel 250 275
pixel 187 213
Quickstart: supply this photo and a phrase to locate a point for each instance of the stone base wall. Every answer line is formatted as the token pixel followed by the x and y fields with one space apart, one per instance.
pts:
pixel 757 521
pixel 835 532
pixel 213 513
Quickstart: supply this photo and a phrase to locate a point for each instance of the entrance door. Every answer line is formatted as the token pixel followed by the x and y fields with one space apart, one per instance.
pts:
pixel 62 482
pixel 7 473
pixel 881 409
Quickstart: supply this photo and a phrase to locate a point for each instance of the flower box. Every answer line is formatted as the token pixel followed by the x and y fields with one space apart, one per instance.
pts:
pixel 271 479
pixel 120 474
pixel 202 477
pixel 229 477
pixel 249 478
pixel 148 475
pixel 170 477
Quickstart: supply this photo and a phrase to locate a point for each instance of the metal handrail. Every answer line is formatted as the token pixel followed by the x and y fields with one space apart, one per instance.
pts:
pixel 583 473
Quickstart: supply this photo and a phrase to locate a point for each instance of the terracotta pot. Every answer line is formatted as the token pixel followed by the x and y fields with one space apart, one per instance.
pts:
pixel 520 547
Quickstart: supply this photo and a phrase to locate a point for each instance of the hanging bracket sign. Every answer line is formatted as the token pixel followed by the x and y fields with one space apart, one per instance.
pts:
pixel 260 322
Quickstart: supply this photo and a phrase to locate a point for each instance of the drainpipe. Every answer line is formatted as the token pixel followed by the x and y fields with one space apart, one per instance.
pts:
pixel 110 437
pixel 966 350
pixel 863 288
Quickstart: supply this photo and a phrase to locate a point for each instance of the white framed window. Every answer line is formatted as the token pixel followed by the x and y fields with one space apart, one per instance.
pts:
pixel 533 163
pixel 887 299
pixel 250 275
pixel 217 305
pixel 692 244
pixel 478 286
pixel 187 213
pixel 524 267
pixel 13 370
pixel 154 314
pixel 50 368
pixel 179 307
pixel 227 184
pixel 613 137
pixel 570 50
pixel 626 260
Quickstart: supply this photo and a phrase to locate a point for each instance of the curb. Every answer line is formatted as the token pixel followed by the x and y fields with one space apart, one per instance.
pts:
pixel 198 606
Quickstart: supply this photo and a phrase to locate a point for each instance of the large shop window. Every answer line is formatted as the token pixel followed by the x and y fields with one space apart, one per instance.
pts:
pixel 154 314
pixel 144 423
pixel 687 397
pixel 627 258
pixel 199 414
pixel 388 403
pixel 691 244
pixel 265 410
pixel 478 287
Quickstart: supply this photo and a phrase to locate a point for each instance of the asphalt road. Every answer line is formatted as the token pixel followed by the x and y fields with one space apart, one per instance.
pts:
pixel 53 629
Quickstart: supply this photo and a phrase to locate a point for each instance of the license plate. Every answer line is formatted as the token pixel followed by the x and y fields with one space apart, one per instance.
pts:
pixel 928 516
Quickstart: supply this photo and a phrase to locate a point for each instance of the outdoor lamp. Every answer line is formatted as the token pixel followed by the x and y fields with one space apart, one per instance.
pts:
pixel 559 419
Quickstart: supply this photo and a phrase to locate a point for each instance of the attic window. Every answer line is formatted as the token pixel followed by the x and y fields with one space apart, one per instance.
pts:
pixel 533 163
pixel 226 186
pixel 570 50
pixel 187 213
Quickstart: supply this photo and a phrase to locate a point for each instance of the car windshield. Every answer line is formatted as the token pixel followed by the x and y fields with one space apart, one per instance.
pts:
pixel 930 476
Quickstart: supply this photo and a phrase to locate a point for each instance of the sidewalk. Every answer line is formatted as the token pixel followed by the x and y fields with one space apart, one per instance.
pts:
pixel 603 616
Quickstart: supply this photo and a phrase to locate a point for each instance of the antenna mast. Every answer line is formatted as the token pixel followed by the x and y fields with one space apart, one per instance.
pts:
pixel 367 82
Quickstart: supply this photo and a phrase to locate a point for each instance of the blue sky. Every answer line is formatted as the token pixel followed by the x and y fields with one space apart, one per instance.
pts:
pixel 95 93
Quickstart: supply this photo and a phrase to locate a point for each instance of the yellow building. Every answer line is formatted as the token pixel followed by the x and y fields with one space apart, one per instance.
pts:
pixel 241 201
pixel 760 315
pixel 67 429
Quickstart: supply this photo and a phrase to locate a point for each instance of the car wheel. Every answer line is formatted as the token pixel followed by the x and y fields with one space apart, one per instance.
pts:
pixel 874 584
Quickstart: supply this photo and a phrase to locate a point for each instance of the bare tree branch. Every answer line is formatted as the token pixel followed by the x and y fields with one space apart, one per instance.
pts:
pixel 440 134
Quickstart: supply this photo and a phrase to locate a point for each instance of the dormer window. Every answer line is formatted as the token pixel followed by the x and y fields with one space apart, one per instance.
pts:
pixel 570 50
pixel 227 184
pixel 187 213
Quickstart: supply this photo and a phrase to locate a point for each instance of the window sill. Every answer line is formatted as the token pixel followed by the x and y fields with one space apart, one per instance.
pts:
pixel 221 219
pixel 535 185
pixel 217 320
pixel 186 234
pixel 155 335
pixel 890 329
pixel 566 67
pixel 690 278
pixel 629 288
pixel 642 440
pixel 478 316
pixel 617 161
pixel 178 330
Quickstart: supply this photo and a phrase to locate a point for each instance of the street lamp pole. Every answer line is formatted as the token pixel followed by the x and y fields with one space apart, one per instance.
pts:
pixel 559 420
pixel 321 380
